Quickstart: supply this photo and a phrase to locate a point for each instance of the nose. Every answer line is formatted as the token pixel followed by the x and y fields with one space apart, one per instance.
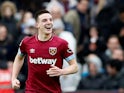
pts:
pixel 49 21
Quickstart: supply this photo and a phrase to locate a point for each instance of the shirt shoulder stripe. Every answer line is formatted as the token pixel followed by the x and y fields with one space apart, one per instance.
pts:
pixel 70 58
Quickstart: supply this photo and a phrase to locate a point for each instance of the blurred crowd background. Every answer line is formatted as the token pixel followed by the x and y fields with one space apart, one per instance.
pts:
pixel 94 30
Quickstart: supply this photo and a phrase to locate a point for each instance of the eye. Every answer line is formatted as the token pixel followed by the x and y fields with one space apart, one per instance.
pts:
pixel 44 20
pixel 51 19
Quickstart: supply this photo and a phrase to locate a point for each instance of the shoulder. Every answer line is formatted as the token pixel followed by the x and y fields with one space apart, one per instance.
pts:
pixel 60 40
pixel 71 13
pixel 28 39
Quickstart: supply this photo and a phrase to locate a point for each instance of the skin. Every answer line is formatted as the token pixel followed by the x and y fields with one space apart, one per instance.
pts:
pixel 3 33
pixel 44 24
pixel 113 43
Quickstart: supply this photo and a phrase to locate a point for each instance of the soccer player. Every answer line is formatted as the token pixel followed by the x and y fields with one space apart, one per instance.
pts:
pixel 45 53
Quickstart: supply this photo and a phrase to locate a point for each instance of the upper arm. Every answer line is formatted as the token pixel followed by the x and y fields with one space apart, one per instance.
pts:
pixel 22 47
pixel 72 62
pixel 66 52
pixel 20 57
pixel 73 65
pixel 20 54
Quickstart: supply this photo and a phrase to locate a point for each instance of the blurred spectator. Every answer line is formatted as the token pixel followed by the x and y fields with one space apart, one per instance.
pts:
pixel 68 82
pixel 54 3
pixel 5 77
pixel 57 12
pixel 103 19
pixel 18 16
pixel 118 22
pixel 118 54
pixel 112 44
pixel 92 74
pixel 32 5
pixel 8 10
pixel 68 4
pixel 115 77
pixel 28 30
pixel 95 7
pixel 77 17
pixel 25 17
pixel 7 44
pixel 30 27
pixel 94 59
pixel 93 43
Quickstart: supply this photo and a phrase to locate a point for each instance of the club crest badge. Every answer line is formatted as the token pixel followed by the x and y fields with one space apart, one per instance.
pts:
pixel 69 50
pixel 52 50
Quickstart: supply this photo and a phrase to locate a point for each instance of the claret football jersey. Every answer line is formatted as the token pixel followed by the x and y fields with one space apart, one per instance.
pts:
pixel 42 54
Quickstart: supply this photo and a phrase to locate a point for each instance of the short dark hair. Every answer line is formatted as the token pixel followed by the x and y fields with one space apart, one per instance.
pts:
pixel 115 63
pixel 112 36
pixel 39 13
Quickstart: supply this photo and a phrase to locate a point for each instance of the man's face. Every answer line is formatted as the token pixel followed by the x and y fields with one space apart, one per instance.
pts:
pixel 3 33
pixel 83 6
pixel 92 68
pixel 113 43
pixel 45 23
pixel 8 12
pixel 118 54
pixel 56 12
pixel 111 70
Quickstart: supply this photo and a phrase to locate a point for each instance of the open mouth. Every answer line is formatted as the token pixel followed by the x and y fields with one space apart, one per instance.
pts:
pixel 48 27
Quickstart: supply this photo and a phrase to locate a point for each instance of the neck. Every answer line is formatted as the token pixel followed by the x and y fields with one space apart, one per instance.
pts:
pixel 44 37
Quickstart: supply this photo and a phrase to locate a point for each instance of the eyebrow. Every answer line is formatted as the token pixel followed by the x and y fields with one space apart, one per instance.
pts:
pixel 47 18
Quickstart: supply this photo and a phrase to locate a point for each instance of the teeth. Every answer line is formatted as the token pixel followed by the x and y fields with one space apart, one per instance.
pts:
pixel 48 26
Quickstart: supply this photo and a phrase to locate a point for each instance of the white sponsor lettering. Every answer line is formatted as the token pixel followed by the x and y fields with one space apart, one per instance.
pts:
pixel 40 60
